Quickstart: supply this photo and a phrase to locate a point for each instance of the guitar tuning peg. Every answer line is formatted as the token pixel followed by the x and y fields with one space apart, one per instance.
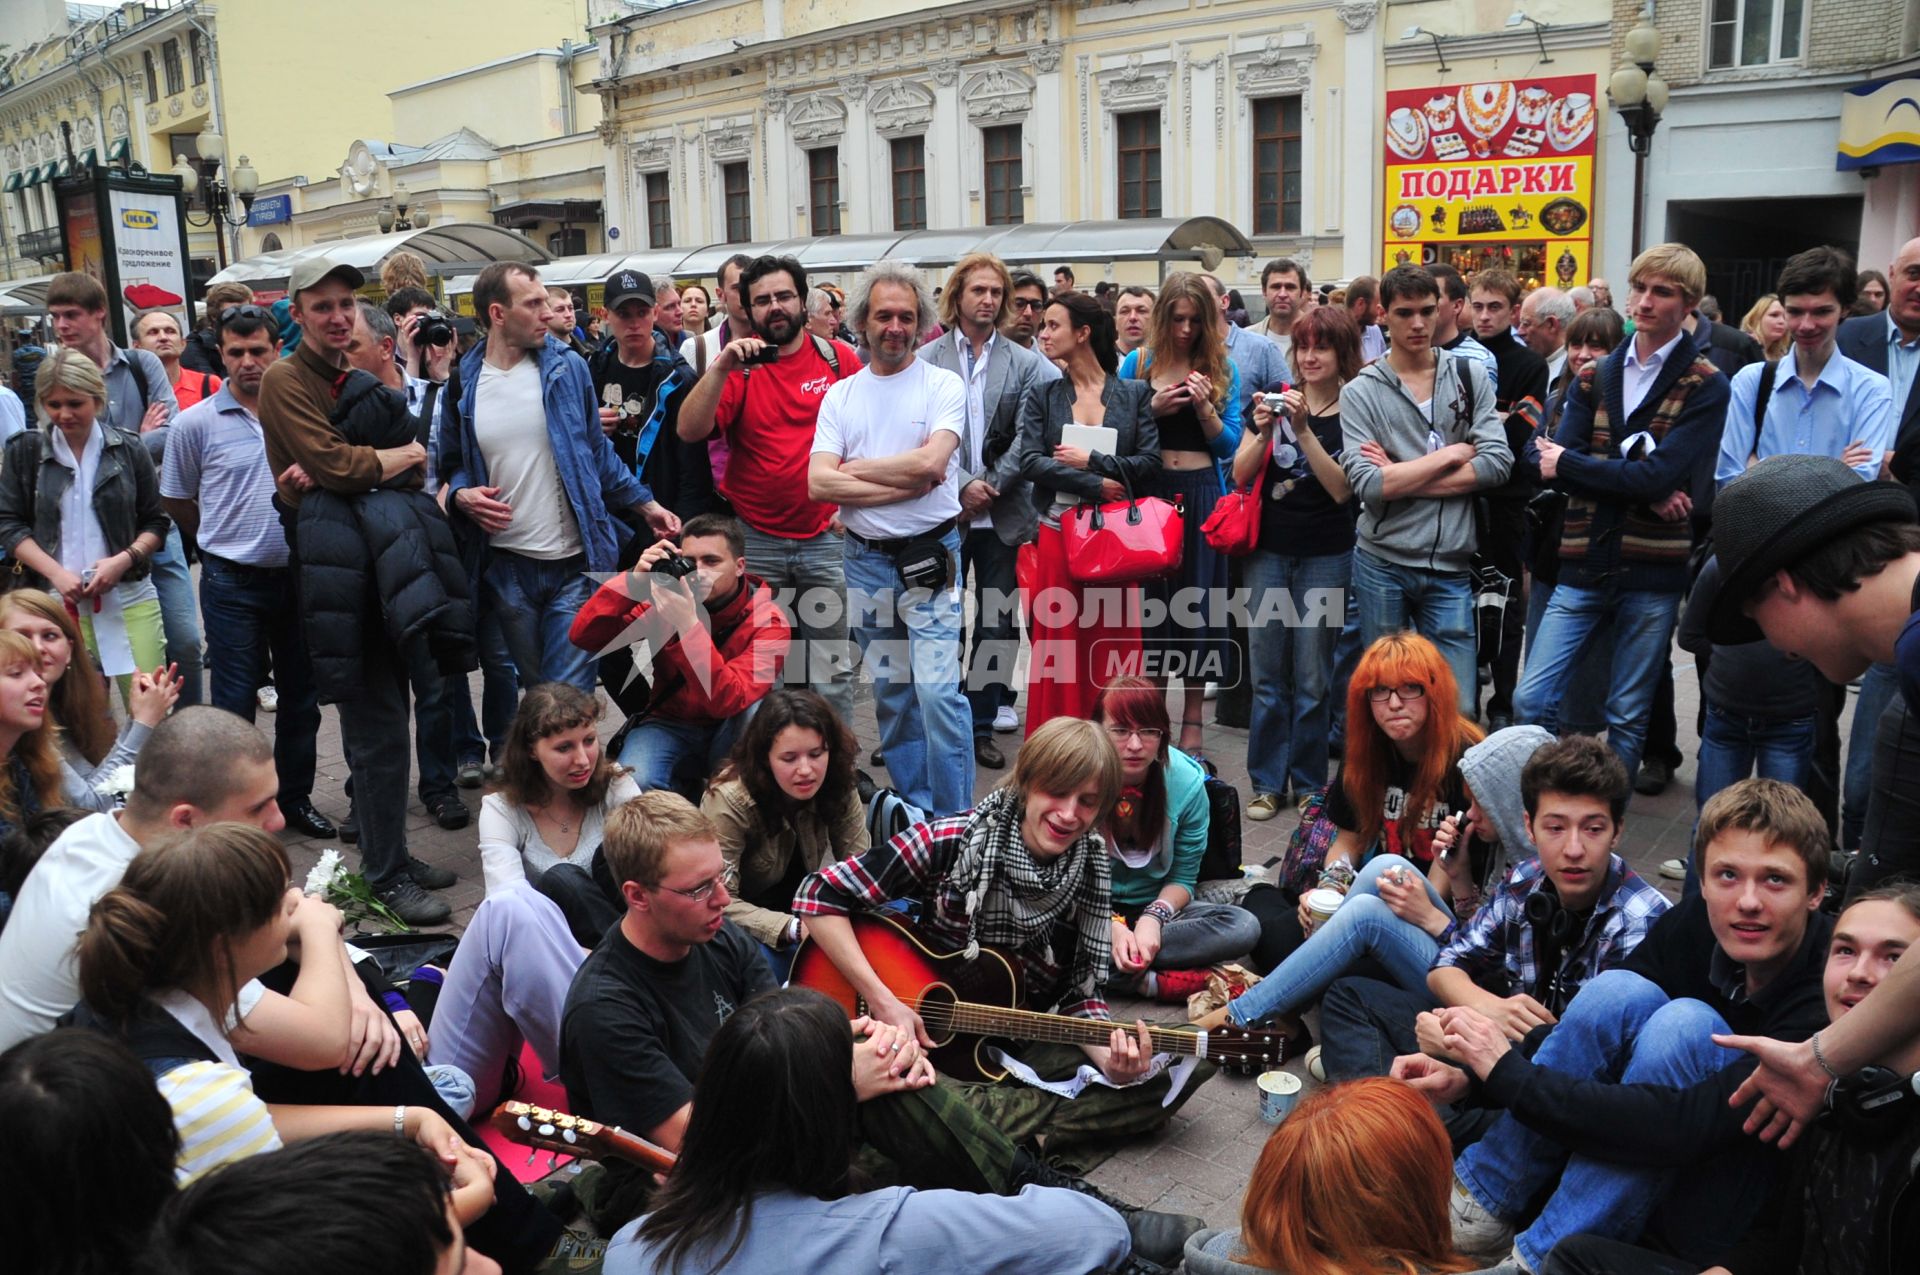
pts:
pixel 570 1137
pixel 533 1155
pixel 525 1122
pixel 547 1131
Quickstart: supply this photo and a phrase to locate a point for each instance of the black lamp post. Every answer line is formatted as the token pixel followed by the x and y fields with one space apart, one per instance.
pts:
pixel 1640 95
pixel 211 201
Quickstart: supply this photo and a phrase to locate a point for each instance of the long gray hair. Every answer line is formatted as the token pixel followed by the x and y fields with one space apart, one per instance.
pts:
pixel 859 301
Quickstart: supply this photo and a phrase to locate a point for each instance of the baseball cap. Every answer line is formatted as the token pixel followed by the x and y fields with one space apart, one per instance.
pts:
pixel 628 285
pixel 1777 513
pixel 308 273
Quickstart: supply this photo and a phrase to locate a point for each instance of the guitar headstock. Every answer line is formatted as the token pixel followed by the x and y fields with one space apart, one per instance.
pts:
pixel 1246 1051
pixel 545 1129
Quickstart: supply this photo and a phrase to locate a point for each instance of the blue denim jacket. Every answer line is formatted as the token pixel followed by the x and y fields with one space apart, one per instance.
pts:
pixel 592 473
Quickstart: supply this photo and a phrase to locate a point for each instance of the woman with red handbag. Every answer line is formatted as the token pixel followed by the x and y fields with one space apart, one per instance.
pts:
pixel 1298 572
pixel 1082 635
pixel 1196 401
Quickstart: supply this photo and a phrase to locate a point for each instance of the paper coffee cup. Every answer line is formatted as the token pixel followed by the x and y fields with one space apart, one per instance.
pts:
pixel 1323 903
pixel 1279 1092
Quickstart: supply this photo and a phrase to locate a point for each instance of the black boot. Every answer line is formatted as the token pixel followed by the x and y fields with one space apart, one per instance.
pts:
pixel 1158 1238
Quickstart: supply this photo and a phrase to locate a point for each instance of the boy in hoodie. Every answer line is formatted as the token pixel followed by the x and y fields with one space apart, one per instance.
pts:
pixel 1571 909
pixel 1421 437
pixel 640 380
pixel 1638 436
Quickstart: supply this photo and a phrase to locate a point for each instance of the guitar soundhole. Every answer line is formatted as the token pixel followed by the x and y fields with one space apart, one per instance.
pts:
pixel 936 1010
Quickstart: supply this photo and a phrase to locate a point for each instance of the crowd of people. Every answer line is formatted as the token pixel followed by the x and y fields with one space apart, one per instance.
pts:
pixel 1441 531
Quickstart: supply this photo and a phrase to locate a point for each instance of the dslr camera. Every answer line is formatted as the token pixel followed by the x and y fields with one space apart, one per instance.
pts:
pixel 435 328
pixel 675 565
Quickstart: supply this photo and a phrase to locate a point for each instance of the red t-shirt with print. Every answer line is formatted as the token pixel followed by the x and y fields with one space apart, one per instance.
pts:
pixel 768 420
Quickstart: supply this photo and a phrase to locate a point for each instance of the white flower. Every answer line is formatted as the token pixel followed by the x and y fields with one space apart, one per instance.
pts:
pixel 323 873
pixel 120 782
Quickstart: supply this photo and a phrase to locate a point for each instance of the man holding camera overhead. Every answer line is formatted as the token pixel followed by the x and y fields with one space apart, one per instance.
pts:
pixel 763 392
pixel 538 478
pixel 718 642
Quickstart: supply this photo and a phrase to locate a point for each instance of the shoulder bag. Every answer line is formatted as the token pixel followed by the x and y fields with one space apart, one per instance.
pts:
pixel 1124 541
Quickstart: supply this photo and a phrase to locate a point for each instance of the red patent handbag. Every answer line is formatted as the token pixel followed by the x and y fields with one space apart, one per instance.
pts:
pixel 1123 541
pixel 1233 528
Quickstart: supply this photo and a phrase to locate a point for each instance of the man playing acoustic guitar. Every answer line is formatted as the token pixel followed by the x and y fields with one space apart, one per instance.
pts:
pixel 645 1004
pixel 1026 872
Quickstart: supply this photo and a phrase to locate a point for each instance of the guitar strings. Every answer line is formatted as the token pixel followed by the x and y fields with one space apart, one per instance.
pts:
pixel 987 1020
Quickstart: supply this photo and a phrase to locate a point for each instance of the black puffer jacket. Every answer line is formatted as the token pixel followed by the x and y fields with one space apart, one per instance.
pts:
pixel 381 557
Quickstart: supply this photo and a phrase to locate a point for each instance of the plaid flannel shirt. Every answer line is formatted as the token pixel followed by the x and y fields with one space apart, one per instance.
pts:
pixel 913 865
pixel 1496 948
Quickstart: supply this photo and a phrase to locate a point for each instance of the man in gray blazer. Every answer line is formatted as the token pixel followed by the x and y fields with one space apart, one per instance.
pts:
pixel 1889 343
pixel 996 516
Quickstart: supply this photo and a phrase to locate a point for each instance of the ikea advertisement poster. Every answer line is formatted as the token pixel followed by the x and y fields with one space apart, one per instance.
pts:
pixel 149 254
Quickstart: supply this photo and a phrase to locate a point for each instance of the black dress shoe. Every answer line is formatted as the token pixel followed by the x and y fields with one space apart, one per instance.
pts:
pixel 413 905
pixel 428 876
pixel 988 755
pixel 448 810
pixel 350 827
pixel 305 820
pixel 1655 775
pixel 876 758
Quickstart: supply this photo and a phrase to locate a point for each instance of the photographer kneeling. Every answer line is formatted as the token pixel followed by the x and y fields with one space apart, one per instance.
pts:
pixel 717 643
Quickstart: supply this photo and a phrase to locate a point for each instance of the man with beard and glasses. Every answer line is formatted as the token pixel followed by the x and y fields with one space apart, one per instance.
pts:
pixel 763 393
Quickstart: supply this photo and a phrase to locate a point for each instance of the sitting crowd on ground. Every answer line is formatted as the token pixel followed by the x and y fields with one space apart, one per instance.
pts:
pixel 843 1021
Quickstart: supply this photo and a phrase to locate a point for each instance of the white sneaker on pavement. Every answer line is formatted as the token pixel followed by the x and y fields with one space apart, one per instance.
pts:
pixel 1674 869
pixel 1005 720
pixel 1476 1232
pixel 268 697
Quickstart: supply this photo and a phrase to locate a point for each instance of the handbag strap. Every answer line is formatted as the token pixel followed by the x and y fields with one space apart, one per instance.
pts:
pixel 1268 460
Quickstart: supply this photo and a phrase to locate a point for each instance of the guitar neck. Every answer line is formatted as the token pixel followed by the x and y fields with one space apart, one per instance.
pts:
pixel 1021 1024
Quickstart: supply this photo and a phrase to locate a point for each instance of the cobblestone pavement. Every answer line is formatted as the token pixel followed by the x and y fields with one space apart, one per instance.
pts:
pixel 1200 1164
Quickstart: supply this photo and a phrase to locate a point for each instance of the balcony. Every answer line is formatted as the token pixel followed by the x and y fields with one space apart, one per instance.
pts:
pixel 43 244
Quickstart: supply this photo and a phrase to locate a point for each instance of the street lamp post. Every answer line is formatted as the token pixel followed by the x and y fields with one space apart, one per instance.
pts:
pixel 393 214
pixel 211 201
pixel 1640 95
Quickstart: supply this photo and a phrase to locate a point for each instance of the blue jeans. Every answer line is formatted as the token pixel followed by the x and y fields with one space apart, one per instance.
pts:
pixel 1642 633
pixel 1880 687
pixel 1732 747
pixel 253 612
pixel 1582 710
pixel 535 600
pixel 499 696
pixel 910 643
pixel 663 753
pixel 1438 605
pixel 1347 650
pixel 810 580
pixel 174 584
pixel 1623 1029
pixel 993 649
pixel 1363 926
pixel 1293 669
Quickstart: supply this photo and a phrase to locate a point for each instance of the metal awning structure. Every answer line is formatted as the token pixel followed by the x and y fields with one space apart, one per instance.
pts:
pixel 458 248
pixel 1205 241
pixel 531 212
pixel 25 296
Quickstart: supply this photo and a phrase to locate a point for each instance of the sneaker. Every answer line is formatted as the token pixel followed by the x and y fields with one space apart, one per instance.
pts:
pixel 1476 1232
pixel 1315 1067
pixel 413 905
pixel 1005 720
pixel 1674 869
pixel 349 828
pixel 267 697
pixel 471 774
pixel 448 810
pixel 1265 806
pixel 1172 987
pixel 429 876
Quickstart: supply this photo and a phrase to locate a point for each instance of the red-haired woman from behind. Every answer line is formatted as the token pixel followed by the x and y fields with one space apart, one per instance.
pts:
pixel 1156 837
pixel 1354 1182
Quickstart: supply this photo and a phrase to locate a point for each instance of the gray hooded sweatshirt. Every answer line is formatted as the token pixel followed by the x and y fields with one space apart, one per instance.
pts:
pixel 1491 769
pixel 1428 533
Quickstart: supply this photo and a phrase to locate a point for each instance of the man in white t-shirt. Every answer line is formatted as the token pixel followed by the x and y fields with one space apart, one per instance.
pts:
pixel 886 450
pixel 539 477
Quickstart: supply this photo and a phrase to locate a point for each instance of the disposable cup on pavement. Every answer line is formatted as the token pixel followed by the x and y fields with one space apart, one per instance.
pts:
pixel 1279 1093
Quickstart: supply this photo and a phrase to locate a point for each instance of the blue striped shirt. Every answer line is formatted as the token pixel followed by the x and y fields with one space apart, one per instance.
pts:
pixel 217 457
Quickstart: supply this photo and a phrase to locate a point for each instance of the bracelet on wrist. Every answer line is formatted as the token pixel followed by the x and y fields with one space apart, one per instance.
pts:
pixel 1821 1058
pixel 400 1120
pixel 1160 910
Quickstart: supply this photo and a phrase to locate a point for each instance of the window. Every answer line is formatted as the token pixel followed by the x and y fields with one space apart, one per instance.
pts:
pixel 910 183
pixel 153 82
pixel 1139 156
pixel 739 202
pixel 1754 32
pixel 659 212
pixel 197 54
pixel 1276 166
pixel 1004 177
pixel 170 58
pixel 823 189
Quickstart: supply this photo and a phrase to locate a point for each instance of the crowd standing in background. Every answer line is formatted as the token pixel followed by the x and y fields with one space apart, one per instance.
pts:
pixel 1448 528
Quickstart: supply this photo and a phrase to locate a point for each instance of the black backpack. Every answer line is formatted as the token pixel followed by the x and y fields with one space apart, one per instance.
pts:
pixel 1221 862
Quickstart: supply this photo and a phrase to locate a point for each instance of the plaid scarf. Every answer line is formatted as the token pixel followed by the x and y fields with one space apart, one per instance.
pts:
pixel 1011 899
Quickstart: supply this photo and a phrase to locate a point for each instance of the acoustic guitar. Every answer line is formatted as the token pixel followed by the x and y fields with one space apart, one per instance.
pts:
pixel 545 1129
pixel 960 1000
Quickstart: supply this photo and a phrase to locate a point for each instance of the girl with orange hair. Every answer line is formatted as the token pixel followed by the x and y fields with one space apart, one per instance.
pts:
pixel 1356 1180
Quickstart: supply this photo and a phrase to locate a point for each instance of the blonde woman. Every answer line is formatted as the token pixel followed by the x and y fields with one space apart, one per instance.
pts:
pixel 1767 324
pixel 96 553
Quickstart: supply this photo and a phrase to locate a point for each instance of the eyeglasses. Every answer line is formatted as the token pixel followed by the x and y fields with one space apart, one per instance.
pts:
pixel 1028 303
pixel 1148 734
pixel 729 877
pixel 1407 691
pixel 249 311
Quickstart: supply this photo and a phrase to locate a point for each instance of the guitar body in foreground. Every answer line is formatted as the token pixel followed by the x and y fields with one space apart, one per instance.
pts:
pixel 966 1005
